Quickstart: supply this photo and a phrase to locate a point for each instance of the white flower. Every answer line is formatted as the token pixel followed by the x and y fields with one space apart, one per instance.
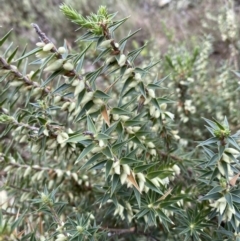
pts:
pixel 61 237
pixel 176 169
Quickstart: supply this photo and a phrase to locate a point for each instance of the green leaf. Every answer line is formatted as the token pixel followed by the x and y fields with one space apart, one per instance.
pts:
pixel 210 123
pixel 217 189
pixel 233 142
pixel 107 152
pixel 108 167
pixel 91 77
pixel 101 95
pixel 117 146
pixel 169 61
pixel 102 136
pixel 34 51
pixel 129 161
pixel 142 89
pixel 209 141
pixel 142 168
pixel 137 195
pixel 159 173
pixel 12 55
pixel 213 160
pixel 90 125
pixel 214 196
pixel 164 100
pixel 98 166
pixel 93 159
pixel 51 77
pixel 142 212
pixel 76 138
pixel 134 123
pixel 117 24
pixel 102 54
pixel 123 41
pixel 134 54
pixel 228 197
pixel 235 198
pixel 120 111
pixel 85 151
pixel 16 223
pixel 61 88
pixel 149 184
pixel 115 182
pixel 4 38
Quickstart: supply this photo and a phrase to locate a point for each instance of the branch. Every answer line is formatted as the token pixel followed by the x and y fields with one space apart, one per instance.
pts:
pixel 46 40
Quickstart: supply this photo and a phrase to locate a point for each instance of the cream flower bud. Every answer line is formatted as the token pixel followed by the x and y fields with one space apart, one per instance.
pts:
pixel 110 60
pixel 163 106
pixel 68 66
pixel 45 132
pixel 23 139
pixel 122 60
pixel 133 84
pixel 87 97
pixel 155 182
pixel 98 101
pixel 57 98
pixel 170 115
pixel 27 171
pixel 115 117
pixel 136 128
pixel 124 117
pixel 61 50
pixel 35 148
pixel 40 44
pixel 137 77
pixel 54 66
pixel 65 105
pixel 151 93
pixel 226 158
pixel 116 167
pixel 123 178
pixel 79 88
pixel 61 237
pixel 36 91
pixel 152 110
pixel 129 71
pixel 150 144
pixel 141 177
pixel 176 169
pixel 48 47
pixel 16 83
pixel 101 143
pixel 62 137
pixel 76 82
pixel 157 114
pixel 129 130
pixel 106 43
pixel 126 169
pixel 232 151
pixel 72 106
pixel 74 176
pixel 153 152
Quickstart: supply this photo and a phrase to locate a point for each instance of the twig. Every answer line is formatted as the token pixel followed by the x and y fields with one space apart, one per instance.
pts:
pixel 46 40
pixel 172 156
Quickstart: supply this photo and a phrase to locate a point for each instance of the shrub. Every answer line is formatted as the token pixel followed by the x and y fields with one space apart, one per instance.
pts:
pixel 90 149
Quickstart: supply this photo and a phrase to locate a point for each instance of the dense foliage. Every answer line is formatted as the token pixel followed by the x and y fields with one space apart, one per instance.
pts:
pixel 99 143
